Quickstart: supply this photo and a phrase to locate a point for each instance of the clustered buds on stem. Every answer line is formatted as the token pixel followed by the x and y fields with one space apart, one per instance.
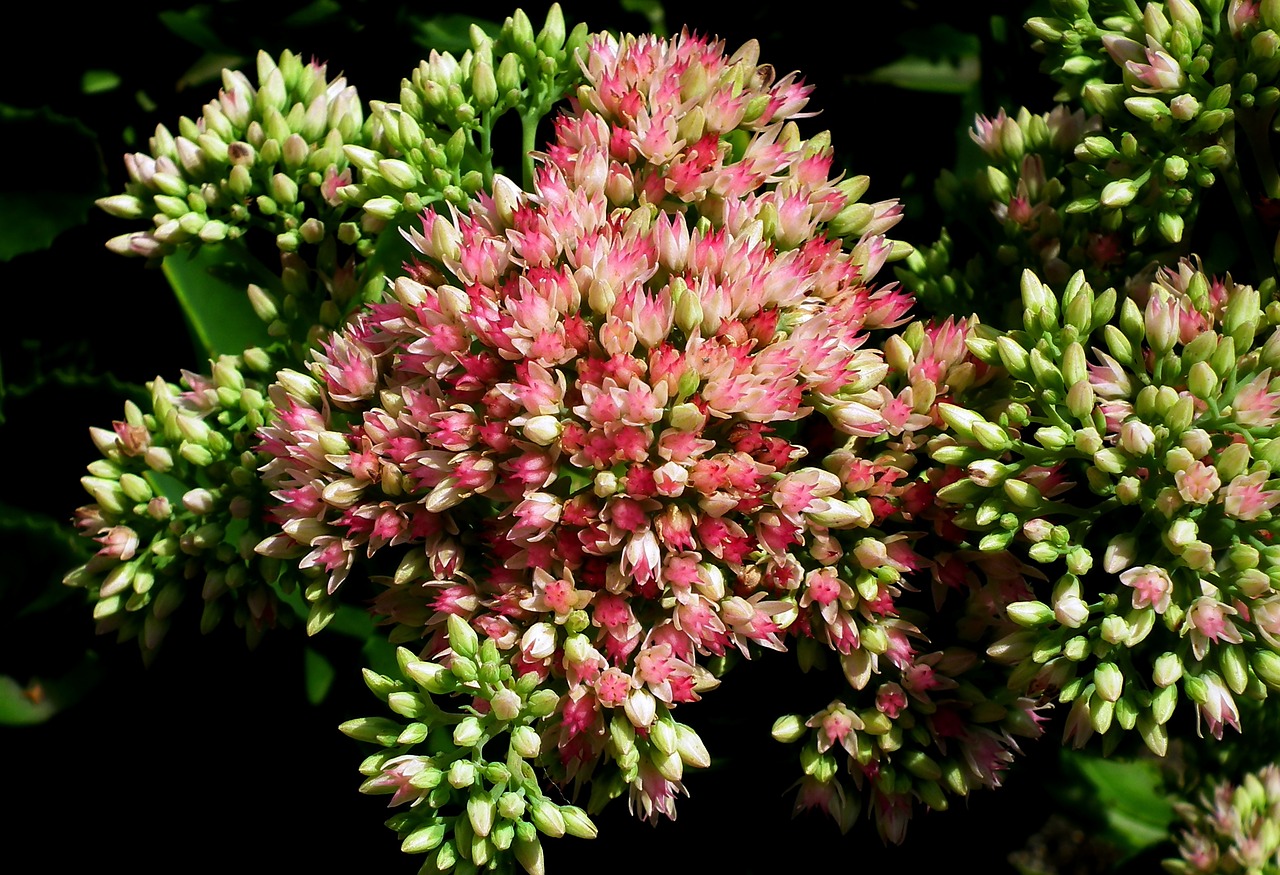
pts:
pixel 1234 828
pixel 1144 489
pixel 647 412
pixel 178 506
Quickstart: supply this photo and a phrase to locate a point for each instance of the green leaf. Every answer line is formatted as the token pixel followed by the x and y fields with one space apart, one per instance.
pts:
pixel 98 81
pixel 36 207
pixel 450 33
pixel 31 540
pixel 380 654
pixel 1130 798
pixel 313 13
pixel 918 73
pixel 38 700
pixel 210 284
pixel 652 11
pixel 192 25
pixel 23 706
pixel 319 675
pixel 209 68
pixel 352 621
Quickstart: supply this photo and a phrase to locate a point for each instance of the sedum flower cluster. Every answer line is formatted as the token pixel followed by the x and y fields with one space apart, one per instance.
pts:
pixel 1160 106
pixel 300 161
pixel 177 502
pixel 1234 828
pixel 614 429
pixel 1182 88
pixel 575 429
pixel 1133 484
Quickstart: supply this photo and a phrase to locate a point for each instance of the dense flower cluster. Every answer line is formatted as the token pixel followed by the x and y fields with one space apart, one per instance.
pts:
pixel 1138 475
pixel 297 160
pixel 178 507
pixel 652 412
pixel 285 137
pixel 917 714
pixel 1235 828
pixel 1174 85
pixel 581 414
pixel 436 143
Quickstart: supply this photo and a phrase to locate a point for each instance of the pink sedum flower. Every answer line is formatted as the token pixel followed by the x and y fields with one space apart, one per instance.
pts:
pixel 570 422
pixel 1151 586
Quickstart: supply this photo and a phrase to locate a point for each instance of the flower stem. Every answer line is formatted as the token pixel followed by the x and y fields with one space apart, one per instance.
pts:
pixel 1262 259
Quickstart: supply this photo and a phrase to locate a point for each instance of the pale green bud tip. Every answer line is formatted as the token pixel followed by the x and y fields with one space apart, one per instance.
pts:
pixel 1030 613
pixel 462 638
pixel 577 823
pixel 692 751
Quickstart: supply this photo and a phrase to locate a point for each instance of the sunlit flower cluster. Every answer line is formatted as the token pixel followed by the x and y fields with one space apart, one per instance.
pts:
pixel 1139 475
pixel 580 417
pixel 178 509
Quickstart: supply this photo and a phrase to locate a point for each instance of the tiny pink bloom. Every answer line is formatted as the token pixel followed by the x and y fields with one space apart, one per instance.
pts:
pixel 1255 405
pixel 1219 709
pixel 1197 483
pixel 1208 620
pixel 612 687
pixel 1247 499
pixel 1151 585
pixel 891 700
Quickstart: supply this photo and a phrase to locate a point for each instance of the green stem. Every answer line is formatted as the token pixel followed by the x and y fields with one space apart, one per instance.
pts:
pixel 528 142
pixel 486 151
pixel 1255 126
pixel 1249 223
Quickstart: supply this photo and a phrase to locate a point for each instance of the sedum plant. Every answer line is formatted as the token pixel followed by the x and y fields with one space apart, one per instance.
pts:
pixel 297 160
pixel 585 422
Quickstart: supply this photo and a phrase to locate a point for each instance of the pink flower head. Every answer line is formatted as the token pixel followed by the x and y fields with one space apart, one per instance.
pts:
pixel 1152 587
pixel 1246 497
pixel 1208 620
pixel 573 424
pixel 1219 708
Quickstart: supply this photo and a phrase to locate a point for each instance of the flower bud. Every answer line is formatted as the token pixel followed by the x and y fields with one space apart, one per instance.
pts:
pixel 691 749
pixel 1167 669
pixel 546 817
pixel 543 430
pixel 1109 681
pixel 1266 664
pixel 1121 192
pixel 506 704
pixel 1030 613
pixel 525 742
pixel 788 728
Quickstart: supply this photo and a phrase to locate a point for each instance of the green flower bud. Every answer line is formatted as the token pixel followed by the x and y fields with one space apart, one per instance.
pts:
pixel 463 639
pixel 1109 681
pixel 1234 668
pixel 1266 664
pixel 1163 703
pixel 546 817
pixel 525 742
pixel 788 728
pixel 1148 109
pixel 1154 735
pixel 1030 613
pixel 379 730
pixel 480 812
pixel 423 839
pixel 1121 192
pixel 577 823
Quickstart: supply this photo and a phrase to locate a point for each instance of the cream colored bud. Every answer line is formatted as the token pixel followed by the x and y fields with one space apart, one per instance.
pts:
pixel 543 430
